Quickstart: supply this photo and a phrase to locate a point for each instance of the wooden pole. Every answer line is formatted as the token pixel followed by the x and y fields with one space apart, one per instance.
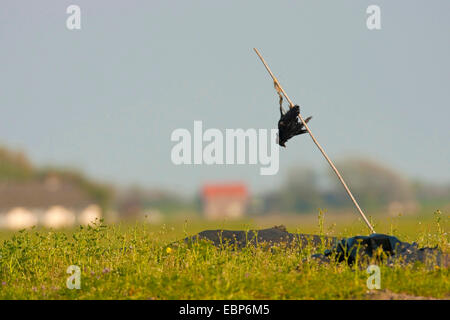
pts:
pixel 317 144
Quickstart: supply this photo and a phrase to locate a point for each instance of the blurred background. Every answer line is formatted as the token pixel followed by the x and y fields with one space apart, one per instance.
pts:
pixel 86 115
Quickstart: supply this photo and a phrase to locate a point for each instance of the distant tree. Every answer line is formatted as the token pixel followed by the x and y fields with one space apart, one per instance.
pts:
pixel 14 165
pixel 432 194
pixel 300 193
pixel 133 201
pixel 374 186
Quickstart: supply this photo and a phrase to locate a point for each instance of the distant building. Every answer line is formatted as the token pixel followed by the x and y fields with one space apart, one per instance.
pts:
pixel 225 200
pixel 58 217
pixel 51 203
pixel 90 214
pixel 19 218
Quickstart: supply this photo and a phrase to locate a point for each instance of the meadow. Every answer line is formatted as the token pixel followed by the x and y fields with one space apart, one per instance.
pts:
pixel 140 261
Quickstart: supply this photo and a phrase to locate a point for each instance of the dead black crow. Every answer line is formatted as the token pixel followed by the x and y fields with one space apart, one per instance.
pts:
pixel 289 125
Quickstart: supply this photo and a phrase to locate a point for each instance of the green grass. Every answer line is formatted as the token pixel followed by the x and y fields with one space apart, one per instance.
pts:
pixel 136 262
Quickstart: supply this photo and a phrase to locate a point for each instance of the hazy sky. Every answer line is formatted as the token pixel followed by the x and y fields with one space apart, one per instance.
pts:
pixel 106 98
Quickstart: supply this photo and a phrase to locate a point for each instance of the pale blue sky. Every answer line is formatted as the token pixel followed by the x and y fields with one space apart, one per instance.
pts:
pixel 106 98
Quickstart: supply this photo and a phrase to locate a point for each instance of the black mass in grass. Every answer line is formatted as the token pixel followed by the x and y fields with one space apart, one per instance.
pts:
pixel 289 125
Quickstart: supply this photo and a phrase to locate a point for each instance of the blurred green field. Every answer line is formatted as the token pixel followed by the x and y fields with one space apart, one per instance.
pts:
pixel 135 261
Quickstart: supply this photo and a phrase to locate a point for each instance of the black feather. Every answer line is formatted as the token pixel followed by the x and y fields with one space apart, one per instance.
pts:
pixel 289 125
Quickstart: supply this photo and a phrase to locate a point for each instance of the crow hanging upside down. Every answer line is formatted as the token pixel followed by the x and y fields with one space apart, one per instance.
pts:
pixel 289 125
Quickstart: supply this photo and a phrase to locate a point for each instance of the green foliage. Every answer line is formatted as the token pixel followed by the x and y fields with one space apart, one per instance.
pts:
pixel 374 185
pixel 300 192
pixel 14 166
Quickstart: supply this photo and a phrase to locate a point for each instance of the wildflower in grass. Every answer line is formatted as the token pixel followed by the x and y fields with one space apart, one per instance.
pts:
pixel 241 274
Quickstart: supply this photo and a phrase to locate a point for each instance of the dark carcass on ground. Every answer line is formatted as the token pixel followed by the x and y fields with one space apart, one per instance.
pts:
pixel 387 248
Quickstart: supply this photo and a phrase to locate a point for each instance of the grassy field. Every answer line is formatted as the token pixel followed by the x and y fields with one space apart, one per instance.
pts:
pixel 137 262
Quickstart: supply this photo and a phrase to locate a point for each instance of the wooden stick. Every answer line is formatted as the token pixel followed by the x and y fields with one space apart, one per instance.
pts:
pixel 317 144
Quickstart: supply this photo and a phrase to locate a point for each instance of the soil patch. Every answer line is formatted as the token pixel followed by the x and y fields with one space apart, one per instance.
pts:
pixel 388 295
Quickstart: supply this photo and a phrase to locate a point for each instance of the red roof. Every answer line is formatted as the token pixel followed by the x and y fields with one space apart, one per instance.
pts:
pixel 225 189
